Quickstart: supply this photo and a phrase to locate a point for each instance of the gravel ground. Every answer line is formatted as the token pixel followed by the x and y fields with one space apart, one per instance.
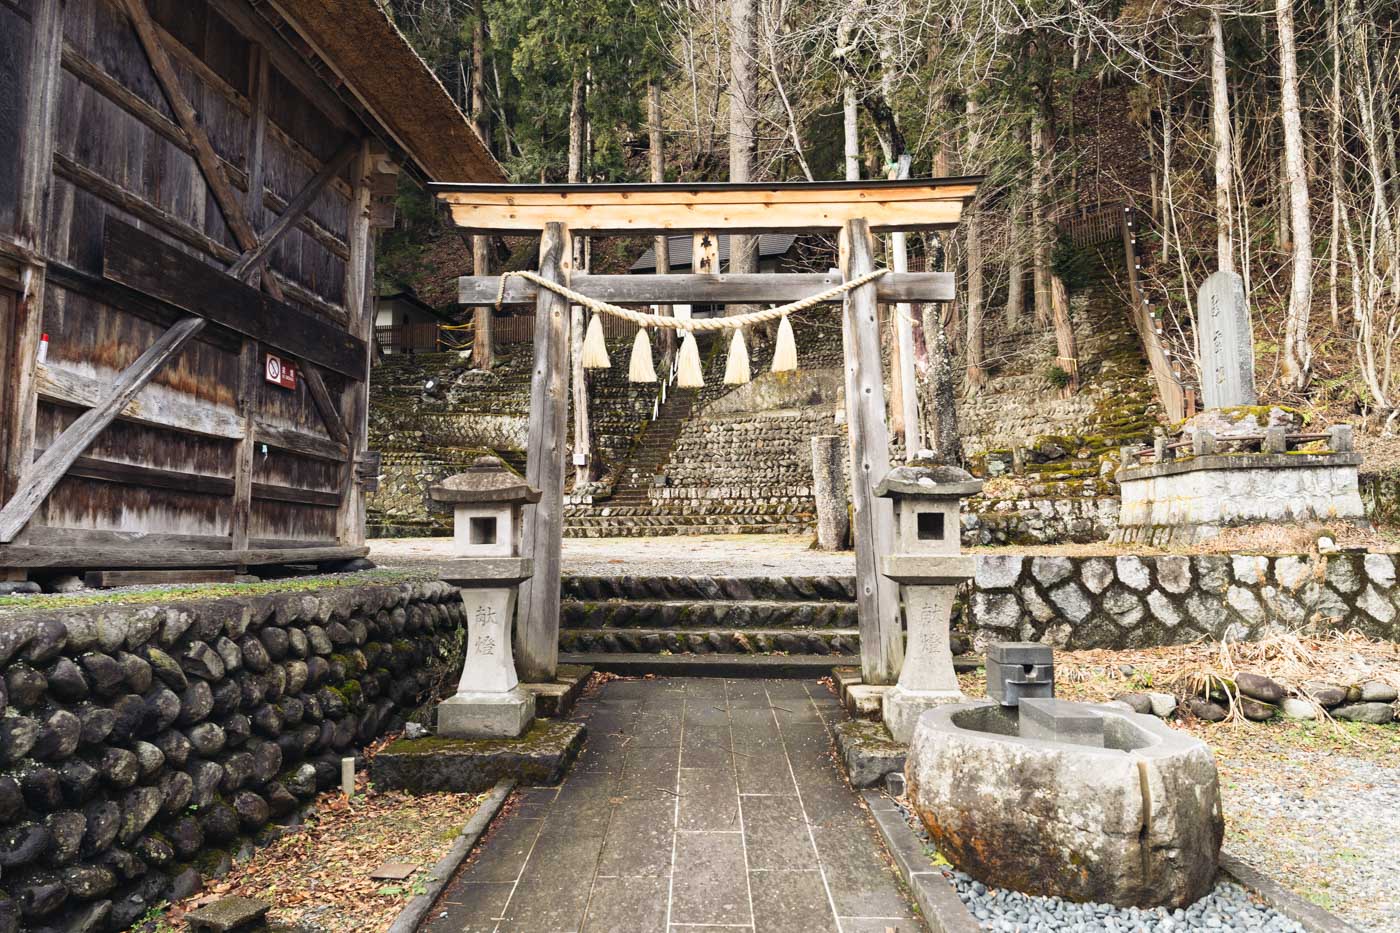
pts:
pixel 1326 825
pixel 1228 907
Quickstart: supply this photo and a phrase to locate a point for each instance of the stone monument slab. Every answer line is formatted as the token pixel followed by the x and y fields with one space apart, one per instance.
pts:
pixel 1224 342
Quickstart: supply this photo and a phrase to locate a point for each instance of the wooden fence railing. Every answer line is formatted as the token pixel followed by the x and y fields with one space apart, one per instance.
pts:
pixel 401 338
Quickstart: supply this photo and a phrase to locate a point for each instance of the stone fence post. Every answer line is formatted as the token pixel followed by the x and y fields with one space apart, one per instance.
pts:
pixel 829 490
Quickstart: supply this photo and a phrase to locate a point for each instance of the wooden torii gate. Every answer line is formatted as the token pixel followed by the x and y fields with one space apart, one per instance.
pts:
pixel 853 210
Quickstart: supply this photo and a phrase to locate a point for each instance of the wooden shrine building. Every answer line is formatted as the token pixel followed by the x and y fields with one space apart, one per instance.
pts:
pixel 188 193
pixel 852 210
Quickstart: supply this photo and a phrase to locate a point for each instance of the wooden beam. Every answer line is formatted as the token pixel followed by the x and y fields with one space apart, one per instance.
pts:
pixel 150 266
pixel 69 388
pixel 872 519
pixel 40 479
pixel 123 555
pixel 360 310
pixel 537 612
pixel 298 206
pixel 209 162
pixel 133 474
pixel 321 397
pixel 106 579
pixel 759 288
pixel 795 207
pixel 299 442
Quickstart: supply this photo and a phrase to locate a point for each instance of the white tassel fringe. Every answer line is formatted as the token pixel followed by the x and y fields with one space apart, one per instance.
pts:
pixel 689 374
pixel 736 369
pixel 641 368
pixel 595 346
pixel 785 352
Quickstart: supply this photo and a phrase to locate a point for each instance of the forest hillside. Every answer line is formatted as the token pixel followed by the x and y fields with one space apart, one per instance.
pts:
pixel 1254 137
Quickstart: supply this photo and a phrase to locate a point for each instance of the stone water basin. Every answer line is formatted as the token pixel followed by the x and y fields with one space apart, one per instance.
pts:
pixel 1136 821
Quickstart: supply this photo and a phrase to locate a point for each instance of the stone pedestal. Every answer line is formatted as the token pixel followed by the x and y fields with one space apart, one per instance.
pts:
pixel 489 702
pixel 829 492
pixel 927 679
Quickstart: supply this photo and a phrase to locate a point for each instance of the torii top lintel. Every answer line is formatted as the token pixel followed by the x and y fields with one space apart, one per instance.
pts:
pixel 749 207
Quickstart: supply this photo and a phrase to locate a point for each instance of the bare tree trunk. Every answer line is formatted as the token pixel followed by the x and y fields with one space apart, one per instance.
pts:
pixel 1040 239
pixel 1334 136
pixel 481 117
pixel 743 249
pixel 1297 350
pixel 662 244
pixel 1224 165
pixel 1067 355
pixel 1016 270
pixel 976 372
pixel 578 320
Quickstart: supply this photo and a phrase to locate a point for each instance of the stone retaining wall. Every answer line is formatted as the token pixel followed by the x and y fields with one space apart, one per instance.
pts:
pixel 142 747
pixel 1135 602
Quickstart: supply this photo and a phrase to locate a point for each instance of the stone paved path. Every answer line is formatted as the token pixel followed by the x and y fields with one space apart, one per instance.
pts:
pixel 697 805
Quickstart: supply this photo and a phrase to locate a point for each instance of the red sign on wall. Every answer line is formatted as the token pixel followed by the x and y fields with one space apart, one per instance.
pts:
pixel 281 372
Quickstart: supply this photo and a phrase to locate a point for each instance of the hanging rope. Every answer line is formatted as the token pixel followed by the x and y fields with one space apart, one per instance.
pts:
pixel 689 373
pixel 644 319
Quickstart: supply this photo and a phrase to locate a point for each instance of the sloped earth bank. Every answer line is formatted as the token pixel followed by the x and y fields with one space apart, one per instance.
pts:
pixel 1315 805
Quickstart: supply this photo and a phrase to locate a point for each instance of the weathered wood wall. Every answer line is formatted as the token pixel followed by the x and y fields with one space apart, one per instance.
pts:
pixel 166 474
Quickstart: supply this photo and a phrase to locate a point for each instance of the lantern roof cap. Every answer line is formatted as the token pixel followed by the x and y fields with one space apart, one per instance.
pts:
pixel 487 480
pixel 927 479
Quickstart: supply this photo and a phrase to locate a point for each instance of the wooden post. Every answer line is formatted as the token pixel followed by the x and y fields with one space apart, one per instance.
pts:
pixel 250 373
pixel 36 173
pixel 877 597
pixel 359 308
pixel 537 612
pixel 483 347
pixel 904 331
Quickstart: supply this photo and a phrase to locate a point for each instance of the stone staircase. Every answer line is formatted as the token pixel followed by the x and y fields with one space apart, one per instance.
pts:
pixel 652 451
pixel 716 624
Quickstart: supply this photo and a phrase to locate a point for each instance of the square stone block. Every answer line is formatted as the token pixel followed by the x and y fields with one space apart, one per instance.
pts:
pixel 468 766
pixel 486 715
pixel 865 700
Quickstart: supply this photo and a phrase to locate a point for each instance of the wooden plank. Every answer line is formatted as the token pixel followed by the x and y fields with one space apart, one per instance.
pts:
pixel 537 612
pixel 107 579
pixel 271 493
pixel 132 474
pixel 69 388
pixel 250 372
pixel 325 405
pixel 298 206
pixel 123 555
pixel 36 147
pixel 299 442
pixel 762 287
pixel 45 536
pixel 150 266
pixel 769 207
pixel 209 162
pixel 872 519
pixel 360 310
pixel 704 252
pixel 40 479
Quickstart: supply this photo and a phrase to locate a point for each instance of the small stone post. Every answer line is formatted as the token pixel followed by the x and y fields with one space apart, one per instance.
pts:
pixel 829 490
pixel 488 500
pixel 928 567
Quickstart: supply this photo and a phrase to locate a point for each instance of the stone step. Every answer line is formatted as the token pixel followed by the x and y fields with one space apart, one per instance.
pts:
pixel 843 641
pixel 710 588
pixel 807 666
pixel 694 614
pixel 625 530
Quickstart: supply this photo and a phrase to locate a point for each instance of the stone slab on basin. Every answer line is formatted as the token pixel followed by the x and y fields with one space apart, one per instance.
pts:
pixel 1138 822
pixel 435 764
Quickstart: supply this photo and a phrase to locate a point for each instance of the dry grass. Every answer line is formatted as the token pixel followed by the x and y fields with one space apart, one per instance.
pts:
pixel 317 875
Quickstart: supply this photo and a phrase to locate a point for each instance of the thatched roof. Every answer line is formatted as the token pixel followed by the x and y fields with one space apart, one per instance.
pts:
pixel 377 64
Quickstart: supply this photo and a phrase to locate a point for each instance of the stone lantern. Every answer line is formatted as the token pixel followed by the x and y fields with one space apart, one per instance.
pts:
pixel 488 568
pixel 927 565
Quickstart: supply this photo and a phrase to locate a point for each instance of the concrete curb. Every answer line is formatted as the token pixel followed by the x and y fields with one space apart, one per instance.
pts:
pixel 1313 918
pixel 943 910
pixel 415 910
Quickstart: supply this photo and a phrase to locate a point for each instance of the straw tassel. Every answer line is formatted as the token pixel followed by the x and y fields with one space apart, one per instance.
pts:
pixel 595 347
pixel 689 375
pixel 785 352
pixel 641 368
pixel 736 370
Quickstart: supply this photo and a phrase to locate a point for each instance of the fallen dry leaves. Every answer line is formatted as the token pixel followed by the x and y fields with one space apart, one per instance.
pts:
pixel 317 875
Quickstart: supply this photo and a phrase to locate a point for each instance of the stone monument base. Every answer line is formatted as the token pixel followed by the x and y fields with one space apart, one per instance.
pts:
pixel 903 708
pixel 556 699
pixel 486 715
pixel 1183 502
pixel 470 766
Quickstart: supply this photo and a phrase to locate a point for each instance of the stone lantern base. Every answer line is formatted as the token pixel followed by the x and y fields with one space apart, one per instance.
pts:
pixel 903 707
pixel 473 715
